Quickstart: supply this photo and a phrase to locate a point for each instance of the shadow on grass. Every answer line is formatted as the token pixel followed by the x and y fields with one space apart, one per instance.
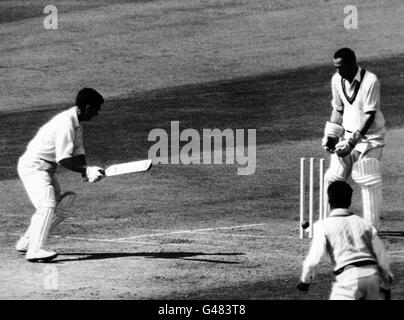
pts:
pixel 290 106
pixel 153 255
pixel 282 288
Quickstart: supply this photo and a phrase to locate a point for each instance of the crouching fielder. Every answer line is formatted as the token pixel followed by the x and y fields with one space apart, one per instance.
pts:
pixel 58 142
pixel 355 133
pixel 358 256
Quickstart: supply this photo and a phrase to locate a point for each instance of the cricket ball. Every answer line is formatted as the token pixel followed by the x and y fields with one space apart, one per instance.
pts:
pixel 305 224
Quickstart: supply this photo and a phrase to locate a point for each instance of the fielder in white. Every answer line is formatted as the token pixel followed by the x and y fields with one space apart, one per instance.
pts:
pixel 359 260
pixel 58 142
pixel 355 133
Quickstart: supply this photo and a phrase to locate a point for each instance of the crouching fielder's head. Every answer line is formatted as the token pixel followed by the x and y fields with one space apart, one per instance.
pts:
pixel 339 195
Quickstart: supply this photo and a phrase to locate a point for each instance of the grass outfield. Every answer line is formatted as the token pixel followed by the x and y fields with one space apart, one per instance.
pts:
pixel 121 47
pixel 288 106
pixel 12 11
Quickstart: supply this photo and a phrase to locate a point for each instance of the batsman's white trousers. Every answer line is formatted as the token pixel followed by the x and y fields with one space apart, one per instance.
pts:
pixel 341 168
pixel 357 283
pixel 37 175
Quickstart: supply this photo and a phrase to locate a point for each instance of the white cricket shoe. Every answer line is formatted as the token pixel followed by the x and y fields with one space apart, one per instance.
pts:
pixel 22 244
pixel 41 255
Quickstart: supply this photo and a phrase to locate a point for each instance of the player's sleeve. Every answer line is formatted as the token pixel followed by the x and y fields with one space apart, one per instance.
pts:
pixel 78 143
pixel 317 252
pixel 381 256
pixel 64 141
pixel 371 98
pixel 336 101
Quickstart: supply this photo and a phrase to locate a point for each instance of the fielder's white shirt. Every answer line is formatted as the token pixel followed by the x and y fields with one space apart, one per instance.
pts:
pixel 355 104
pixel 60 138
pixel 345 238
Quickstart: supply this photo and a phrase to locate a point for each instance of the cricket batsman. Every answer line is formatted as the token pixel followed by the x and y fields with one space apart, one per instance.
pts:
pixel 58 142
pixel 355 134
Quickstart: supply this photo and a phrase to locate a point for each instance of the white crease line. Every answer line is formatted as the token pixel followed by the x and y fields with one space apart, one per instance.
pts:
pixel 234 235
pixel 159 234
pixel 103 240
pixel 131 242
pixel 394 252
pixel 156 243
pixel 187 231
pixel 127 241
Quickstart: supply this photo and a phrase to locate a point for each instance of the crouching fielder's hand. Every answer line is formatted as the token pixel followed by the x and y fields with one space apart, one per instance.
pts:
pixel 94 174
pixel 301 286
pixel 387 280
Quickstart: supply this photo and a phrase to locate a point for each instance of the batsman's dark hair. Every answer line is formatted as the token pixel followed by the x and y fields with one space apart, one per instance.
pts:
pixel 88 96
pixel 339 194
pixel 346 54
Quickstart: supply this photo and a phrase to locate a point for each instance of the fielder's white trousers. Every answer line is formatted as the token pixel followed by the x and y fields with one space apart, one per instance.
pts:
pixel 357 283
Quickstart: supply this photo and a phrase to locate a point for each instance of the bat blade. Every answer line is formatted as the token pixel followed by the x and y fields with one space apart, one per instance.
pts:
pixel 128 167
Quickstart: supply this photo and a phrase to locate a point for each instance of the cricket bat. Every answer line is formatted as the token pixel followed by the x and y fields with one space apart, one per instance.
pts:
pixel 128 167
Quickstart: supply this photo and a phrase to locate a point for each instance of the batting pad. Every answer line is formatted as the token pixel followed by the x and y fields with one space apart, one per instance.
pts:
pixel 32 222
pixel 336 172
pixel 367 174
pixel 22 244
pixel 63 208
pixel 41 221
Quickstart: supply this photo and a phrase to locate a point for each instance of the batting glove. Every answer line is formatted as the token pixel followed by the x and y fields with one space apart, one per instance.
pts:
pixel 332 133
pixel 302 286
pixel 345 147
pixel 329 143
pixel 94 174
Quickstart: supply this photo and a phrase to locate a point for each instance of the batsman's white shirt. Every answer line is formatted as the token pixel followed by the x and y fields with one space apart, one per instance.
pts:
pixel 355 102
pixel 345 238
pixel 60 138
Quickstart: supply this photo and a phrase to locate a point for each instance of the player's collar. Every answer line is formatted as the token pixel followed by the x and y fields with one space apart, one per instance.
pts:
pixel 358 77
pixel 340 212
